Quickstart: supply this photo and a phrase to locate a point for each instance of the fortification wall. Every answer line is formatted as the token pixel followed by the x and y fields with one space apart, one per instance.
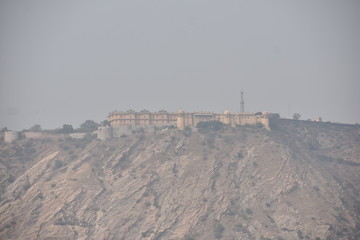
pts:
pixel 77 135
pixel 131 129
pixel 11 136
pixel 32 135
pixel 105 133
pixel 41 135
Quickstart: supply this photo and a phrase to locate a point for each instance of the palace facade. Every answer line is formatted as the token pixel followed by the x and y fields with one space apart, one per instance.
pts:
pixel 183 119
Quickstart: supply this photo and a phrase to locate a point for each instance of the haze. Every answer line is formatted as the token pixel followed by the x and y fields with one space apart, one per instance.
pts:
pixel 69 61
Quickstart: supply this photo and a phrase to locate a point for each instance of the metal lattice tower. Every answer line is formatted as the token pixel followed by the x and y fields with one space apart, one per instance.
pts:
pixel 242 103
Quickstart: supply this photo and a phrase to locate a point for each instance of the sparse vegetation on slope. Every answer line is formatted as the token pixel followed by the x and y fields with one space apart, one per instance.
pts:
pixel 299 181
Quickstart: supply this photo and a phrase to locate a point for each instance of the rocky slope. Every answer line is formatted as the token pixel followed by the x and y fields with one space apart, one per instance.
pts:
pixel 299 181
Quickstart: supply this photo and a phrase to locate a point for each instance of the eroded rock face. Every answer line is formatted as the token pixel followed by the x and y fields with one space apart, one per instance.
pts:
pixel 296 182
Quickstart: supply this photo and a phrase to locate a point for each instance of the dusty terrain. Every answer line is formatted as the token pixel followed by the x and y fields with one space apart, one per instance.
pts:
pixel 299 181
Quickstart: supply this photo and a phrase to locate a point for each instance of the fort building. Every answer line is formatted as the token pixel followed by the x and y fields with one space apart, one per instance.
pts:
pixel 182 119
pixel 161 118
pixel 123 123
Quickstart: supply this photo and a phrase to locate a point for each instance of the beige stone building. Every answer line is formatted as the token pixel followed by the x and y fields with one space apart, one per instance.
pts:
pixel 183 119
pixel 144 117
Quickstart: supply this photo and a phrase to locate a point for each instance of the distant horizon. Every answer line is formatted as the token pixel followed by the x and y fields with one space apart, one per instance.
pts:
pixel 63 62
pixel 99 121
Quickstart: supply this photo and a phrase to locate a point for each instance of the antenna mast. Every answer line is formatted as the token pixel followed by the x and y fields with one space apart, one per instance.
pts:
pixel 242 103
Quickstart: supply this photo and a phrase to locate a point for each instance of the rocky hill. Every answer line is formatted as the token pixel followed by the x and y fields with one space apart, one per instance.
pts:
pixel 299 181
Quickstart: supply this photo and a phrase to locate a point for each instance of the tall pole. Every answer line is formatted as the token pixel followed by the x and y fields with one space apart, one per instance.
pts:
pixel 242 103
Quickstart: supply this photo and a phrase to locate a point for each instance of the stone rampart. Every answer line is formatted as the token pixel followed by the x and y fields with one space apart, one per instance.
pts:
pixel 105 133
pixel 41 135
pixel 108 132
pixel 10 136
pixel 77 135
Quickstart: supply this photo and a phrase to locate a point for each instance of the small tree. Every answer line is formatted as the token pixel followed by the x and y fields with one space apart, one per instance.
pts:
pixel 105 123
pixel 218 230
pixel 58 164
pixel 67 128
pixel 296 116
pixel 35 128
pixel 274 115
pixel 88 126
pixel 187 131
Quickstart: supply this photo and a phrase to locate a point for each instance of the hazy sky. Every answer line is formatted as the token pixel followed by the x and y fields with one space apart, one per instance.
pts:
pixel 72 60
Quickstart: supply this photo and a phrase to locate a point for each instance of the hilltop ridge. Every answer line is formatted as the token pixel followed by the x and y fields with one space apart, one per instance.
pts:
pixel 298 181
